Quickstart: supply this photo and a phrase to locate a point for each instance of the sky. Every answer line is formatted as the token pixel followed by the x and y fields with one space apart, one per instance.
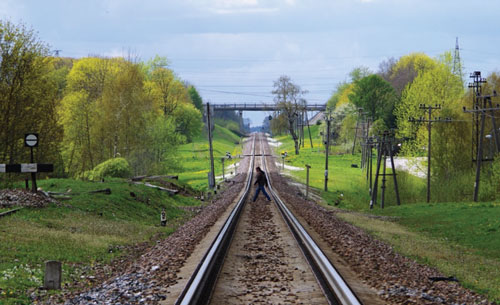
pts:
pixel 233 50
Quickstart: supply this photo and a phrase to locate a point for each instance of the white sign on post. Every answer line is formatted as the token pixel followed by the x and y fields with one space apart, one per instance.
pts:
pixel 28 167
pixel 2 168
pixel 31 139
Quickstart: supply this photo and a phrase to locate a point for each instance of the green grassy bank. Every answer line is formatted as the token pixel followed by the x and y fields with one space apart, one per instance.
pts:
pixel 90 229
pixel 85 230
pixel 195 157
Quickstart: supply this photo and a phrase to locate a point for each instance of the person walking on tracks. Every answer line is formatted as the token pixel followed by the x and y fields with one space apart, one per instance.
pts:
pixel 261 180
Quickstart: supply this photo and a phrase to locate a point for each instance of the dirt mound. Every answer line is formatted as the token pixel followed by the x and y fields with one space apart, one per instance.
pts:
pixel 23 198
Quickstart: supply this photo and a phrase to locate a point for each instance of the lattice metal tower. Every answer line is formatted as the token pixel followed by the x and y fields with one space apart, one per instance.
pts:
pixel 457 63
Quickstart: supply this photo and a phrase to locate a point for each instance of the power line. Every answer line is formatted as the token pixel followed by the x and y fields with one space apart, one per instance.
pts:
pixel 237 93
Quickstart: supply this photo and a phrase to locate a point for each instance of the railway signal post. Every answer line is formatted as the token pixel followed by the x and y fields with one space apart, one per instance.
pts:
pixel 31 140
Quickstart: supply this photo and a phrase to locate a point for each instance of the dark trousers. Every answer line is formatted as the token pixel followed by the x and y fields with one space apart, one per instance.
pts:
pixel 263 189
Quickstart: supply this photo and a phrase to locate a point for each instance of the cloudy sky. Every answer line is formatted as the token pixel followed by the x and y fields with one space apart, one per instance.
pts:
pixel 233 50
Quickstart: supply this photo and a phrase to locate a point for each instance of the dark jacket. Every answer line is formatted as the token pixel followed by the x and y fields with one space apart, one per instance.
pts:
pixel 261 179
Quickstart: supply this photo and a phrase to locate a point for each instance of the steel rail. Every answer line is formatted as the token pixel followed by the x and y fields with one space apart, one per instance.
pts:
pixel 334 286
pixel 200 286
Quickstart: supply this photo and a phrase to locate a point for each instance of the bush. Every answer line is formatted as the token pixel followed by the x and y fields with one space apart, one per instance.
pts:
pixel 117 167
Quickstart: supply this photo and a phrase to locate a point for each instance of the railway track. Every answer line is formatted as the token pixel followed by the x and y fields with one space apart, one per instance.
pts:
pixel 257 256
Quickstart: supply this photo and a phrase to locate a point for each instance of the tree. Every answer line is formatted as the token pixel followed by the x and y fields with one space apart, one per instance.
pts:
pixel 407 69
pixel 386 69
pixel 279 124
pixel 105 113
pixel 28 95
pixel 188 121
pixel 359 73
pixel 195 98
pixel 375 96
pixel 450 142
pixel 86 82
pixel 287 97
pixel 340 96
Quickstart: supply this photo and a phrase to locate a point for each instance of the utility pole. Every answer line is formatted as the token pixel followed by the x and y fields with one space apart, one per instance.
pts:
pixel 309 130
pixel 369 164
pixel 482 109
pixel 307 181
pixel 223 177
pixel 429 121
pixel 476 87
pixel 328 119
pixel 212 171
pixel 356 130
pixel 384 150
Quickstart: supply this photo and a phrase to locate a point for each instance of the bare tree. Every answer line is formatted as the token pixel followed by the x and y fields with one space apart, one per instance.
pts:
pixel 287 97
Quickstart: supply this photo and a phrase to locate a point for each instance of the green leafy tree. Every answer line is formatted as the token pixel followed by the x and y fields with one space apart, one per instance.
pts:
pixel 376 96
pixel 340 96
pixel 105 113
pixel 121 120
pixel 195 98
pixel 79 113
pixel 163 140
pixel 450 141
pixel 28 95
pixel 188 121
pixel 359 72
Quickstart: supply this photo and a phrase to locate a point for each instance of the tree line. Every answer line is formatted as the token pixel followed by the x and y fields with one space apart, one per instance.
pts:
pixel 388 98
pixel 91 109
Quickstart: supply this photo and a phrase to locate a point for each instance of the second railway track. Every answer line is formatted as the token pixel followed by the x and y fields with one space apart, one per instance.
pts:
pixel 263 255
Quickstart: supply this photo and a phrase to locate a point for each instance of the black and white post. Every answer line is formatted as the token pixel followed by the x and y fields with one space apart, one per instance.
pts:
pixel 31 140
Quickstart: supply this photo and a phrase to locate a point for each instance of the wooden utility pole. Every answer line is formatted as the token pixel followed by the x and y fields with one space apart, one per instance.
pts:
pixel 307 180
pixel 384 150
pixel 223 177
pixel 356 130
pixel 486 106
pixel 309 129
pixel 429 121
pixel 327 150
pixel 211 178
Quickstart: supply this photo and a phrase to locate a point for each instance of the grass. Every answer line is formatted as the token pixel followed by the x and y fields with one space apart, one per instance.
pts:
pixel 343 178
pixel 195 157
pixel 88 229
pixel 458 238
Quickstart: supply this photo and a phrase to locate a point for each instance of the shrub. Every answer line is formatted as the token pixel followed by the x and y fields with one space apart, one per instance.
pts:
pixel 116 167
